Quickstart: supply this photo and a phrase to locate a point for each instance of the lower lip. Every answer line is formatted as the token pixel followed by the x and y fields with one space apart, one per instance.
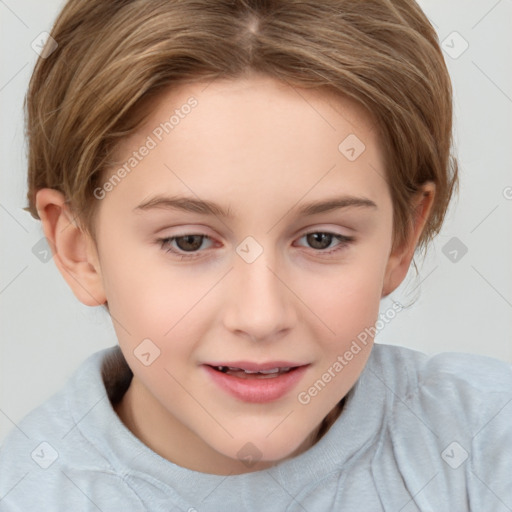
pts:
pixel 257 390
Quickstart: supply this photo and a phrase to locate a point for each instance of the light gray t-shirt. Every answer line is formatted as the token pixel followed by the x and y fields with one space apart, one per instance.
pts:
pixel 416 433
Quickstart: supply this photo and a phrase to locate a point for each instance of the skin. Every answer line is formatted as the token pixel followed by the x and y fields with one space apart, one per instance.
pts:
pixel 262 149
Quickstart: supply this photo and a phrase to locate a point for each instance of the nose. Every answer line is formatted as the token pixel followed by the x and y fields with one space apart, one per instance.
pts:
pixel 259 304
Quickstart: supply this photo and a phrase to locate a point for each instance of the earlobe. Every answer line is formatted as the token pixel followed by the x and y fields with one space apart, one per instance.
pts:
pixel 400 259
pixel 73 250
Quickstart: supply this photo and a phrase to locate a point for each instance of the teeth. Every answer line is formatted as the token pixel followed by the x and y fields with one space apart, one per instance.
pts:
pixel 273 370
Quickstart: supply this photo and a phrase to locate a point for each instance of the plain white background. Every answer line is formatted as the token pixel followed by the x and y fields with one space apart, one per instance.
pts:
pixel 463 300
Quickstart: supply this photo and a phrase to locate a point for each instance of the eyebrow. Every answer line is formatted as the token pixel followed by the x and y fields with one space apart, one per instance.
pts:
pixel 189 204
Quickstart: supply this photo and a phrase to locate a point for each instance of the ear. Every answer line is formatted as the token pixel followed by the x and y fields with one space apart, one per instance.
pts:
pixel 400 258
pixel 74 250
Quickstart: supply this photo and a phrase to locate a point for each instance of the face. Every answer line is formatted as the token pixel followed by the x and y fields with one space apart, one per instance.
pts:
pixel 250 233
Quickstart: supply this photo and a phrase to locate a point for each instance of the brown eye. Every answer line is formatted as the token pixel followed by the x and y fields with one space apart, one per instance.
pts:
pixel 185 246
pixel 319 240
pixel 322 242
pixel 189 242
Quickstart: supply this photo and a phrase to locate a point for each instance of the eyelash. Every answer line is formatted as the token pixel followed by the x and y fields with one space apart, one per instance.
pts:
pixel 165 244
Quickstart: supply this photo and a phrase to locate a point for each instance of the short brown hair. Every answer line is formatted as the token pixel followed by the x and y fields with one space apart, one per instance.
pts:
pixel 113 56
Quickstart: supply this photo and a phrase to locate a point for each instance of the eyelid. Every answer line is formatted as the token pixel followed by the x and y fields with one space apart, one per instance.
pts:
pixel 343 242
pixel 166 241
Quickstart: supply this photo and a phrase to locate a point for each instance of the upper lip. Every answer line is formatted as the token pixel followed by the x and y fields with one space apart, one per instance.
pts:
pixel 256 367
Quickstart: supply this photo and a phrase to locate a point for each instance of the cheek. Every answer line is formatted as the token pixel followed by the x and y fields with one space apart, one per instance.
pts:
pixel 144 297
pixel 346 300
pixel 348 304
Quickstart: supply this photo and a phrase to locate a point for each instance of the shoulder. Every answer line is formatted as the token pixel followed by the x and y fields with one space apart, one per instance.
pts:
pixel 450 420
pixel 412 370
pixel 449 390
pixel 46 458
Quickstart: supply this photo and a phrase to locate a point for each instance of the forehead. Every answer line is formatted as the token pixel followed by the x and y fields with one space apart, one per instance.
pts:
pixel 252 102
pixel 255 134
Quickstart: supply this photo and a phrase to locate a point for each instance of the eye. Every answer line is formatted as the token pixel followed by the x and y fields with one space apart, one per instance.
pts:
pixel 322 241
pixel 189 243
pixel 188 246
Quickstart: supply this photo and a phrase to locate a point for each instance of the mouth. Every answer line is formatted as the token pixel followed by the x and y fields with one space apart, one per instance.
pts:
pixel 243 373
pixel 244 369
pixel 256 383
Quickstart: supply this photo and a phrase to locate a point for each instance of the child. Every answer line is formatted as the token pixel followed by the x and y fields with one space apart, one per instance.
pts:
pixel 239 183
